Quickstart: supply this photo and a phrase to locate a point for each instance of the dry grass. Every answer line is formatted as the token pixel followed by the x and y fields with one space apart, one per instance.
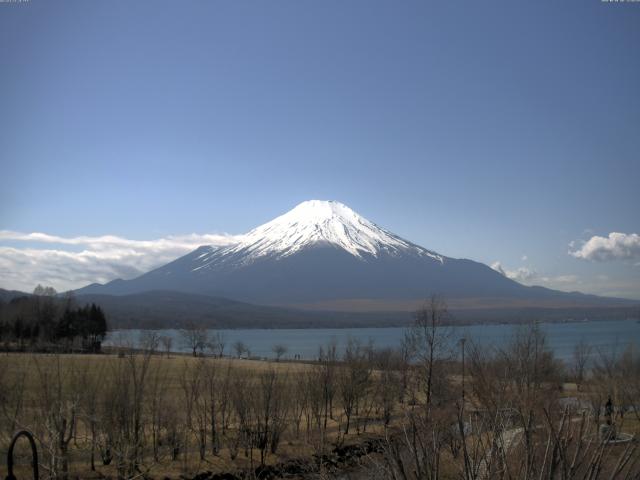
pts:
pixel 30 367
pixel 173 370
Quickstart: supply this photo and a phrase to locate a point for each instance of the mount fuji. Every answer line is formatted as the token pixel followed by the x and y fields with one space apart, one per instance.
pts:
pixel 322 255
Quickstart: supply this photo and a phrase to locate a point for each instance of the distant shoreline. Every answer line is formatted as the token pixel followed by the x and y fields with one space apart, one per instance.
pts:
pixel 304 343
pixel 406 324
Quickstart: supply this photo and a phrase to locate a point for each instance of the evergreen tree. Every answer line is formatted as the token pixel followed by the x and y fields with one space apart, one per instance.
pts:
pixel 97 327
pixel 44 319
pixel 18 331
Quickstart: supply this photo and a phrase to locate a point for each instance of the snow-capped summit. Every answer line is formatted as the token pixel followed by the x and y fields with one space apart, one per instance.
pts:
pixel 316 223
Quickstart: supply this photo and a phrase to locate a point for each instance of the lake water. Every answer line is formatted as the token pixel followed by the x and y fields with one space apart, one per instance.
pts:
pixel 561 337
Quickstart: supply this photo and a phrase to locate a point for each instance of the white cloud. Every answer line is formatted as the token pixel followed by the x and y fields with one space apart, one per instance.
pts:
pixel 100 259
pixel 600 284
pixel 521 274
pixel 108 242
pixel 524 258
pixel 497 266
pixel 617 246
pixel 560 280
pixel 530 276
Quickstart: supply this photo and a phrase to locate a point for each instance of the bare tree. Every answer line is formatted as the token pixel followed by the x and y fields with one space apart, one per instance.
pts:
pixel 91 378
pixel 428 342
pixel 328 359
pixel 149 341
pixel 515 426
pixel 315 400
pixel 629 379
pixel 123 414
pixel 213 395
pixel 240 348
pixel 58 402
pixel 615 376
pixel 270 407
pixel 13 389
pixel 279 350
pixel 388 383
pixel 533 375
pixel 522 431
pixel 167 343
pixel 354 379
pixel 217 345
pixel 417 453
pixel 604 382
pixel 299 403
pixel 225 397
pixel 581 354
pixel 158 409
pixel 191 383
pixel 195 338
pixel 242 392
pixel 41 291
pixel 46 310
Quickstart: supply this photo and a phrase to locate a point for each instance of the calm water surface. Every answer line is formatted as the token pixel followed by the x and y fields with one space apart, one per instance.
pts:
pixel 561 337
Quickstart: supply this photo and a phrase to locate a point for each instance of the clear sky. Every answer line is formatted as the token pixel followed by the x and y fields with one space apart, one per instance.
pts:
pixel 500 131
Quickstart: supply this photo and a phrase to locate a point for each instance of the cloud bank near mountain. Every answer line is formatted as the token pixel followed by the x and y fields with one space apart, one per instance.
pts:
pixel 27 259
pixel 530 276
pixel 521 274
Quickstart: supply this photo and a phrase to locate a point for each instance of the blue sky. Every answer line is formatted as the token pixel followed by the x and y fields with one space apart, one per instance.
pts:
pixel 499 131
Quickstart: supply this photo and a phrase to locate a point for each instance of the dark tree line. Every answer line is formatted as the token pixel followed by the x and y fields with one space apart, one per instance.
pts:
pixel 44 321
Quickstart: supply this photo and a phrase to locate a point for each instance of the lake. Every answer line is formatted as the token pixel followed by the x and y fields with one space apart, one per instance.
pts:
pixel 561 337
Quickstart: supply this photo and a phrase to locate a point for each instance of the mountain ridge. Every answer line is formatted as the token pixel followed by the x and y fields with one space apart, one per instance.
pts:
pixel 322 252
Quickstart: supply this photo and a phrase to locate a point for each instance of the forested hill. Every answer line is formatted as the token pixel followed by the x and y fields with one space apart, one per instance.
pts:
pixel 167 309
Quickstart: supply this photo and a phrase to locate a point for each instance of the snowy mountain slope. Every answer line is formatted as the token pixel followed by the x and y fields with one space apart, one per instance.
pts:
pixel 313 223
pixel 325 252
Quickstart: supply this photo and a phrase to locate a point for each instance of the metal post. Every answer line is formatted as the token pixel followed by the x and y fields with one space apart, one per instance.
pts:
pixel 462 341
pixel 34 454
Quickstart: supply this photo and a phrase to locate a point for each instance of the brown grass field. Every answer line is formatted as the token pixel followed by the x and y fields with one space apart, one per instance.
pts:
pixel 99 367
pixel 40 392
